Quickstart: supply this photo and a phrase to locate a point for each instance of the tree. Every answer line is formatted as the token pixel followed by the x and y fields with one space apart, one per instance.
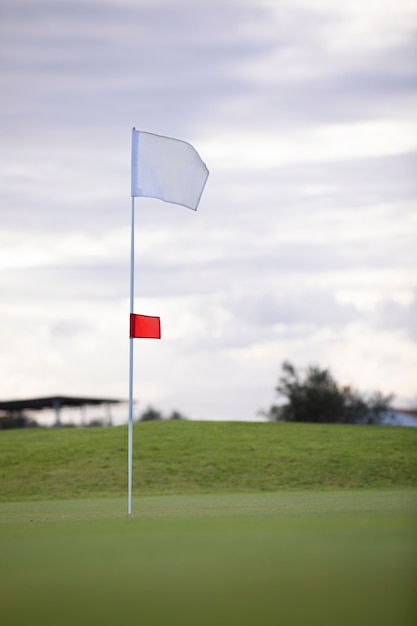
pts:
pixel 150 415
pixel 315 396
pixel 176 415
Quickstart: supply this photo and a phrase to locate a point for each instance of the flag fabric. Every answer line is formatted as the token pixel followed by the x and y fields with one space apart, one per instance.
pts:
pixel 144 326
pixel 166 168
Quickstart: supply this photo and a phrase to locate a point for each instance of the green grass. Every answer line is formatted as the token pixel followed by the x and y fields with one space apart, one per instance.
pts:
pixel 202 457
pixel 293 558
pixel 232 524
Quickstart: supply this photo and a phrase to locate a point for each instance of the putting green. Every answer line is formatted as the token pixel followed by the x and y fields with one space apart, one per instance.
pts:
pixel 292 558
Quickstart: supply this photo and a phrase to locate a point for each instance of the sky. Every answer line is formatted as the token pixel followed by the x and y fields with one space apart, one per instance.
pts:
pixel 304 246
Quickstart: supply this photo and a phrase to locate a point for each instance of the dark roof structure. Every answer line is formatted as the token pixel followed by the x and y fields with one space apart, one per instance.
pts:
pixel 52 402
pixel 56 403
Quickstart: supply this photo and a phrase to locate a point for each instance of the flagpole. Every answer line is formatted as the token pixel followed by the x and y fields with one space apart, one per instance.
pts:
pixel 184 185
pixel 130 434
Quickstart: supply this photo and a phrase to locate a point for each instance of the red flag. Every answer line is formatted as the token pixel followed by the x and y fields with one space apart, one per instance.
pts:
pixel 145 326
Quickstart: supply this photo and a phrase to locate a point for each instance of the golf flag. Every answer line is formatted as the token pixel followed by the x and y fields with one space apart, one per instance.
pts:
pixel 166 168
pixel 145 326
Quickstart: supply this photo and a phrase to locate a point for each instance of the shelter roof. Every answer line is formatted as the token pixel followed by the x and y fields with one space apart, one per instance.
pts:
pixel 51 402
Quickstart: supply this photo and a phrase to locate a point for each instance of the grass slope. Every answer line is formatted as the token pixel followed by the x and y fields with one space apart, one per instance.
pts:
pixel 342 557
pixel 197 457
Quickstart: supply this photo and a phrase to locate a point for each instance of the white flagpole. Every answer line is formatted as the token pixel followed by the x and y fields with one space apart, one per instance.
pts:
pixel 130 435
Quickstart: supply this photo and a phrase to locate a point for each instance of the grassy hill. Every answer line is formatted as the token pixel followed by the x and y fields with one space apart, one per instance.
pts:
pixel 173 457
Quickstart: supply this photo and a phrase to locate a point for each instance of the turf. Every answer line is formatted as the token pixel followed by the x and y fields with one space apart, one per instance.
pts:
pixel 200 457
pixel 232 523
pixel 294 558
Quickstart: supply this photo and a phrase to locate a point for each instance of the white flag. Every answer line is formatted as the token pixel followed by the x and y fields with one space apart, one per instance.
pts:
pixel 168 169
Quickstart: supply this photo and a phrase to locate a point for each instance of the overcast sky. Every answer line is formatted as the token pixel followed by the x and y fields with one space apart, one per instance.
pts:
pixel 304 246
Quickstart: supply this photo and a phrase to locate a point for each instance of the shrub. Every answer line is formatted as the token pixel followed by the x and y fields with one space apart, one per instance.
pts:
pixel 314 396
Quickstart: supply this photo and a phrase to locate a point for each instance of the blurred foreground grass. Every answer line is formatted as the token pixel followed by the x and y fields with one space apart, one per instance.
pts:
pixel 342 557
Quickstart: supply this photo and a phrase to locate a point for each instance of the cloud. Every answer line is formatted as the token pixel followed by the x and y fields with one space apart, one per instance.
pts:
pixel 399 316
pixel 304 243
